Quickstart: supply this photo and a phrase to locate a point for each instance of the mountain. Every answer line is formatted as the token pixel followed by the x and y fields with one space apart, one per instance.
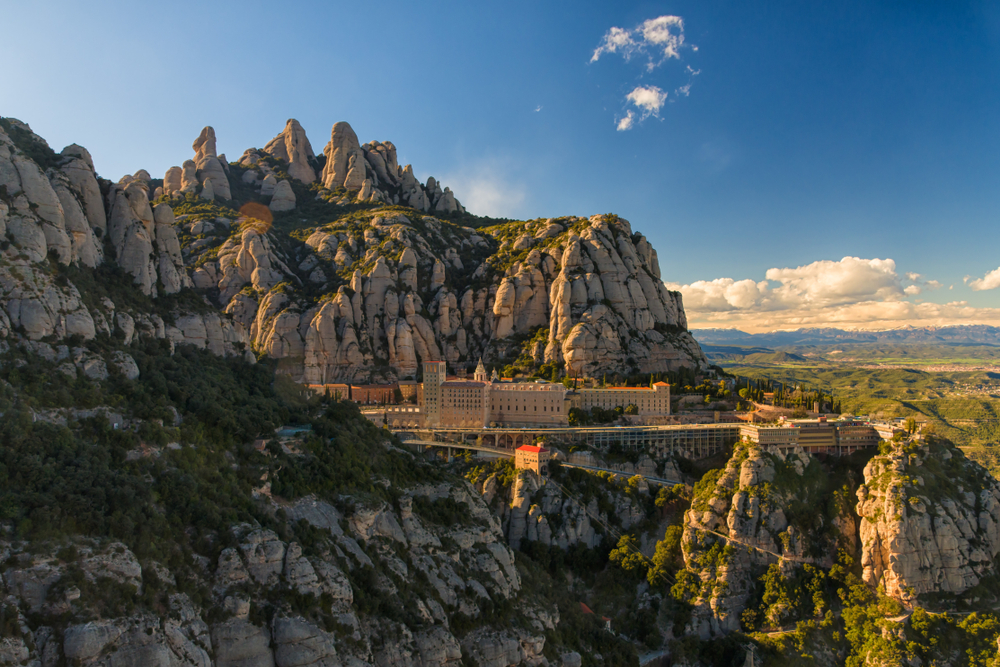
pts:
pixel 973 334
pixel 153 512
pixel 341 265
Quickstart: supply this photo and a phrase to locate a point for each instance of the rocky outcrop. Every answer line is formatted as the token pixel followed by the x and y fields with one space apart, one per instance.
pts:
pixel 292 146
pixel 537 511
pixel 467 566
pixel 373 294
pixel 737 526
pixel 929 520
pixel 210 167
pixel 145 241
pixel 345 162
pixel 401 298
pixel 283 198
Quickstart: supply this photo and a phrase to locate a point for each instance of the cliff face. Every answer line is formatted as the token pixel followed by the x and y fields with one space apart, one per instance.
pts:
pixel 330 263
pixel 555 512
pixel 929 520
pixel 396 289
pixel 58 278
pixel 762 509
pixel 449 572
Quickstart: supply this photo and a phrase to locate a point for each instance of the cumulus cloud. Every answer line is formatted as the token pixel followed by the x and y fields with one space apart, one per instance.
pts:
pixel 648 98
pixel 626 121
pixel 849 293
pixel 659 39
pixel 990 281
pixel 615 40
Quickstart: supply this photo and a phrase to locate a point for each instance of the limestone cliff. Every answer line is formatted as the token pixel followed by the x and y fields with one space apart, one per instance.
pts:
pixel 930 520
pixel 385 286
pixel 334 264
pixel 570 508
pixel 449 571
pixel 761 509
pixel 59 230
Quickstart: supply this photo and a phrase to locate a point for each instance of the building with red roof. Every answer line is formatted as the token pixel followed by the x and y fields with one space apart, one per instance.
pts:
pixel 532 457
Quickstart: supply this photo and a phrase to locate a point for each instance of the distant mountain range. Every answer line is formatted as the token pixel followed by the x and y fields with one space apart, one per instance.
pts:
pixel 976 334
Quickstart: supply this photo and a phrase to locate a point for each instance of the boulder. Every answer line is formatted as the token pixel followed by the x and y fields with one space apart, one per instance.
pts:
pixel 283 198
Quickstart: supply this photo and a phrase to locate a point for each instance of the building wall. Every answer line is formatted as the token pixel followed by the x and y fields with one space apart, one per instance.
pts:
pixel 374 393
pixel 652 401
pixel 404 416
pixel 434 377
pixel 413 392
pixel 772 436
pixel 534 461
pixel 528 403
pixel 815 437
pixel 464 403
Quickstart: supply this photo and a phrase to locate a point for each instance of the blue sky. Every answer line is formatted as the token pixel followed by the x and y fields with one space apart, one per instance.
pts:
pixel 810 132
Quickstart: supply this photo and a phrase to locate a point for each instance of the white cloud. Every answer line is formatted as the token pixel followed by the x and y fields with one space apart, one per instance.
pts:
pixel 666 32
pixel 650 99
pixel 990 281
pixel 614 41
pixel 538 108
pixel 826 283
pixel 660 39
pixel 626 122
pixel 850 293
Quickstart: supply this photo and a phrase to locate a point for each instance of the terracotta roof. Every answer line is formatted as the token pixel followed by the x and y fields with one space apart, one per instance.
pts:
pixel 585 609
pixel 661 384
pixel 631 388
pixel 531 448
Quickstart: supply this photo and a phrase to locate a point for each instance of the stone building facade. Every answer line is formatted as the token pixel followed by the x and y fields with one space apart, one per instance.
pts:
pixel 484 400
pixel 652 401
pixel 531 457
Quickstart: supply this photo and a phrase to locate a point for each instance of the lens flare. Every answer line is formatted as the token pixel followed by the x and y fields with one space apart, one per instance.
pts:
pixel 260 217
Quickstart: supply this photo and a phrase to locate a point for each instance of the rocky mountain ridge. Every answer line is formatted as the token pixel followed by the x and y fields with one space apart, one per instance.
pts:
pixel 476 567
pixel 334 264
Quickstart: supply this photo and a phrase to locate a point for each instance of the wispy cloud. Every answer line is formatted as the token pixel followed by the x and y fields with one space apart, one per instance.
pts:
pixel 489 187
pixel 852 292
pixel 538 108
pixel 648 99
pixel 658 39
pixel 655 41
pixel 990 281
pixel 626 121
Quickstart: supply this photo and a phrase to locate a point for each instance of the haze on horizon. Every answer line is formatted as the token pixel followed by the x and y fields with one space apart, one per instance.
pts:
pixel 793 166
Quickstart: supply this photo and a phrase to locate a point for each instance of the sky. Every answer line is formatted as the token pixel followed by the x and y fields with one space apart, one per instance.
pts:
pixel 794 164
